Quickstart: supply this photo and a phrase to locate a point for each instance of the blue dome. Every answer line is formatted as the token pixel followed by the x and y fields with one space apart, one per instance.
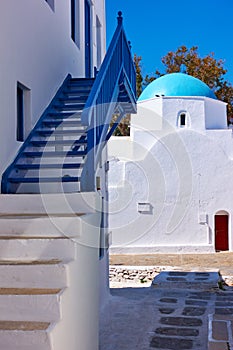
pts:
pixel 176 84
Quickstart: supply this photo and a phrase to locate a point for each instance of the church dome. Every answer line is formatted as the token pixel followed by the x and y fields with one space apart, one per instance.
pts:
pixel 176 84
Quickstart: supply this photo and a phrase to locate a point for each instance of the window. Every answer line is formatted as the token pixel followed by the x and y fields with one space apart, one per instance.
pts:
pixel 74 23
pixel 20 114
pixel 50 3
pixel 23 112
pixel 183 120
pixel 98 43
pixel 73 20
pixel 88 40
pixel 102 238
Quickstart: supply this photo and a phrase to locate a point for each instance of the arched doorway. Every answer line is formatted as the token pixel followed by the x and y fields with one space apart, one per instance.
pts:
pixel 221 231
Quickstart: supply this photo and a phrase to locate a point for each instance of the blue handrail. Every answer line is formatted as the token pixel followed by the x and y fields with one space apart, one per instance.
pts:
pixel 117 73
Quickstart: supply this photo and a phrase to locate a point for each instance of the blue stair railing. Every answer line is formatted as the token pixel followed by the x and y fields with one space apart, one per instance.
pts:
pixel 114 91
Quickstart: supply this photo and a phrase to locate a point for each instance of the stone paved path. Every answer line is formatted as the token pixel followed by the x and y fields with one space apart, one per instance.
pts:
pixel 164 317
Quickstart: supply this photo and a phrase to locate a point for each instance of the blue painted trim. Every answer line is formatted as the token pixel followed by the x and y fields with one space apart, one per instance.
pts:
pixel 115 86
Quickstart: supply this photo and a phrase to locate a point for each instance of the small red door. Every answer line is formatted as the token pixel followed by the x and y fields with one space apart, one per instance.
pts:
pixel 221 232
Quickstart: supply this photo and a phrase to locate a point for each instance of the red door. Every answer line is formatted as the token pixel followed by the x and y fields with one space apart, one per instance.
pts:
pixel 221 232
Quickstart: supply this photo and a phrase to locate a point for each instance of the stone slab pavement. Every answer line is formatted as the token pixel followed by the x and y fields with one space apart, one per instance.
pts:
pixel 162 318
pixel 175 316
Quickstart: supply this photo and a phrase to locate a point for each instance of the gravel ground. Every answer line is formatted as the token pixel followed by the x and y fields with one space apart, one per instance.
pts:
pixel 121 266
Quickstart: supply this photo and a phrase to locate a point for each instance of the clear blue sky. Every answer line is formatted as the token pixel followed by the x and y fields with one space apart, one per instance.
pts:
pixel 155 27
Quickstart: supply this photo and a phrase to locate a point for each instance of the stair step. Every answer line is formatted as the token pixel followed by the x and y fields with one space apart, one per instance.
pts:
pixel 55 154
pixel 59 142
pixel 40 307
pixel 30 262
pixel 82 80
pixel 77 92
pixel 31 249
pixel 64 122
pixel 29 227
pixel 44 179
pixel 33 275
pixel 63 115
pixel 28 291
pixel 70 107
pixel 23 325
pixel 77 99
pixel 73 117
pixel 57 173
pixel 59 132
pixel 52 205
pixel 81 83
pixel 49 166
pixel 25 335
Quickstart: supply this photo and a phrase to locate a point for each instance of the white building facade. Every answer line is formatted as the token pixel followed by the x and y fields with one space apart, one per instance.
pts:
pixel 170 181
pixel 41 42
pixel 58 92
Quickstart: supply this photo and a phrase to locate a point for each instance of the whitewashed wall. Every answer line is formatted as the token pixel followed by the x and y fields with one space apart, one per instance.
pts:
pixel 37 51
pixel 213 111
pixel 163 181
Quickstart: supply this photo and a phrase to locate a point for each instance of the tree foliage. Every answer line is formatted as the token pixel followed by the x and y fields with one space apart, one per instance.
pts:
pixel 139 77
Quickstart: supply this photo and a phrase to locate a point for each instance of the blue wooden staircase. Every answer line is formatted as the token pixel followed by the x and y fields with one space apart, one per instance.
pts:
pixel 63 152
pixel 52 156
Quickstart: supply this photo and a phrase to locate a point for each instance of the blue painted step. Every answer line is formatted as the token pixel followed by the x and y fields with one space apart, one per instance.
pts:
pixel 65 123
pixel 54 154
pixel 59 130
pixel 43 179
pixel 41 143
pixel 49 166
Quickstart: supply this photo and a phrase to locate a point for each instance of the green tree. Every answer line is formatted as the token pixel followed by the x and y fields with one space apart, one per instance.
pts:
pixel 139 77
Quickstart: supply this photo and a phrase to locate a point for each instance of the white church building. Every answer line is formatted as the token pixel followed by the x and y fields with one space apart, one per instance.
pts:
pixel 171 187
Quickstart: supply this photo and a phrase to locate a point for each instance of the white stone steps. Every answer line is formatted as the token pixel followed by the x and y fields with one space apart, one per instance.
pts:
pixel 36 249
pixel 23 226
pixel 51 274
pixel 30 305
pixel 25 336
pixel 47 204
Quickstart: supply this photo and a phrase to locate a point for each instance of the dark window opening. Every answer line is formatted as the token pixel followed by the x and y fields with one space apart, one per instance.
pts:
pixel 20 113
pixel 98 42
pixel 73 20
pixel 102 233
pixel 87 39
pixel 183 119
